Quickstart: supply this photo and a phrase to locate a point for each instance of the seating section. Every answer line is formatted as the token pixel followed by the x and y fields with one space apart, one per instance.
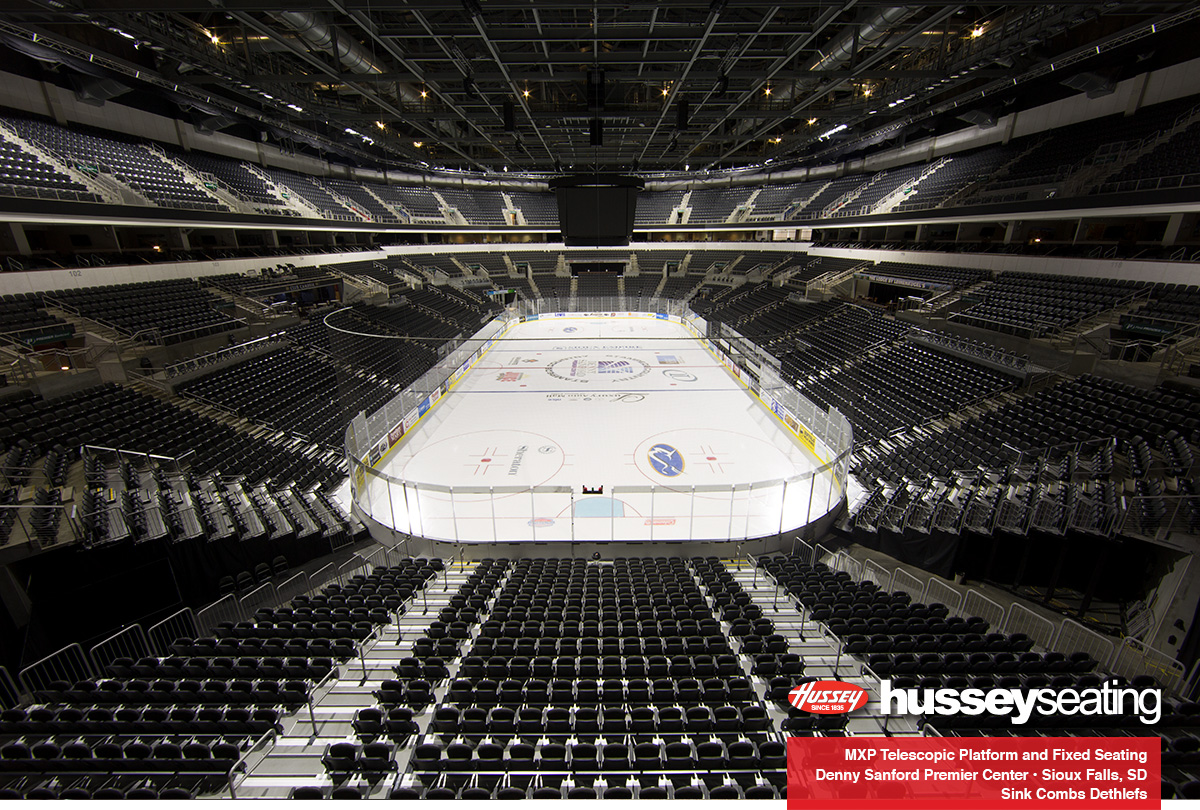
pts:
pixel 555 290
pixel 24 174
pixel 131 163
pixel 292 392
pixel 1056 155
pixel 774 202
pixel 901 387
pixel 538 209
pixel 120 417
pixel 1038 304
pixel 649 700
pixel 834 336
pixel 655 207
pixel 940 278
pixel 174 723
pixel 359 195
pixel 1033 166
pixel 23 320
pixel 882 185
pixel 959 173
pixel 155 311
pixel 716 205
pixel 417 203
pixel 311 190
pixel 1081 410
pixel 815 207
pixel 478 206
pixel 1175 308
pixel 597 284
pixel 234 175
pixel 1172 164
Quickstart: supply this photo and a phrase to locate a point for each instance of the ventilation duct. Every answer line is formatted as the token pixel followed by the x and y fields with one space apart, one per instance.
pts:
pixel 841 49
pixel 314 30
pixel 839 52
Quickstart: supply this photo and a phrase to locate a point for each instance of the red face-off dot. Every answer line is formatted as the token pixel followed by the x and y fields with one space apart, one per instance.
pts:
pixel 711 458
pixel 484 461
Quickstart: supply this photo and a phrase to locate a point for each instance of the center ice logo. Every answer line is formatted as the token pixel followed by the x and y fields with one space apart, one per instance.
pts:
pixel 613 367
pixel 665 460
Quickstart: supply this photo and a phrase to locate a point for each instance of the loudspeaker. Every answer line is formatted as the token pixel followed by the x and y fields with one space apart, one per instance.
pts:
pixel 510 117
pixel 94 91
pixel 980 118
pixel 595 91
pixel 597 127
pixel 681 116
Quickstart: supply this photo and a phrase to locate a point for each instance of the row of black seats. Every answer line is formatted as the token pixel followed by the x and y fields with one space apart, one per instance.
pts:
pixel 138 720
pixel 585 719
pixel 700 623
pixel 244 666
pixel 711 755
pixel 86 755
pixel 227 648
pixel 165 691
pixel 647 644
pixel 1000 663
pixel 600 789
pixel 685 690
pixel 113 794
pixel 699 664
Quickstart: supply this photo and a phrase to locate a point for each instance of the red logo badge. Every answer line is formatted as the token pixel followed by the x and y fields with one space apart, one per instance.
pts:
pixel 828 697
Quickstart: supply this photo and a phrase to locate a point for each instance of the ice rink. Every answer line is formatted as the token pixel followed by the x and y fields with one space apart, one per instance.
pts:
pixel 637 407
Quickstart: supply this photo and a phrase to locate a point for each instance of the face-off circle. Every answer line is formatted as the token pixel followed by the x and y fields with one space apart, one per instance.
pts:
pixel 598 368
pixel 687 456
pixel 487 458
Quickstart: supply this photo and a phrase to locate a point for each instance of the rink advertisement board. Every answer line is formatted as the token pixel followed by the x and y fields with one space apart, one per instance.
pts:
pixel 973 773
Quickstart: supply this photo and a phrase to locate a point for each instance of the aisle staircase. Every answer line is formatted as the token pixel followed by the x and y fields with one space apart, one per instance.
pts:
pixel 820 651
pixel 295 759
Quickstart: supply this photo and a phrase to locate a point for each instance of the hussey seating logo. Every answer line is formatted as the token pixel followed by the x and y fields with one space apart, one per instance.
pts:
pixel 828 697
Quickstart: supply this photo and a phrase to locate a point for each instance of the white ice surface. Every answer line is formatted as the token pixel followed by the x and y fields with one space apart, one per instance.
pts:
pixel 566 403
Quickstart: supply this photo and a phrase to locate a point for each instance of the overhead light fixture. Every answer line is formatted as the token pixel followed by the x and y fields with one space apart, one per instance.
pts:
pixel 812 121
pixel 776 140
pixel 380 124
pixel 977 32
pixel 767 90
pixel 666 92
pixel 418 144
pixel 424 94
pixel 830 133
pixel 526 93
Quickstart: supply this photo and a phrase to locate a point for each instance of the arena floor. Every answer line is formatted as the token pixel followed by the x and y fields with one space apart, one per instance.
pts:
pixel 635 406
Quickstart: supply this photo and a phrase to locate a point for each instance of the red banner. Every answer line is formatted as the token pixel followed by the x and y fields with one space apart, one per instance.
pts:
pixel 975 773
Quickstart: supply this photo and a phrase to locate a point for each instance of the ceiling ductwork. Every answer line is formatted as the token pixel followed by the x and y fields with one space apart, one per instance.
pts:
pixel 842 49
pixel 839 52
pixel 318 33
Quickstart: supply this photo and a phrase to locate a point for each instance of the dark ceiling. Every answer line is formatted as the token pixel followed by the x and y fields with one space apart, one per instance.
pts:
pixel 549 85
